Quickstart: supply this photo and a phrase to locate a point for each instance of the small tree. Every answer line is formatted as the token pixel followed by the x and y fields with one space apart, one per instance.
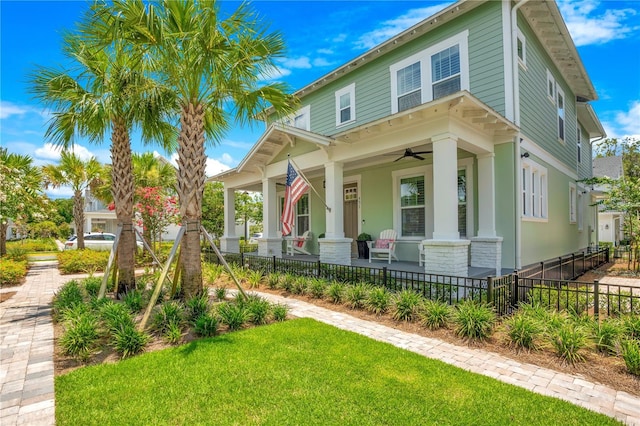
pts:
pixel 155 212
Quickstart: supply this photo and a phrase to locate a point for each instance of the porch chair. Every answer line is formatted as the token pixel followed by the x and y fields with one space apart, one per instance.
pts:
pixel 384 248
pixel 298 244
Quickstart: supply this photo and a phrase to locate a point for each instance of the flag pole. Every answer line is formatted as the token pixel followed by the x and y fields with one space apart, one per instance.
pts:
pixel 309 183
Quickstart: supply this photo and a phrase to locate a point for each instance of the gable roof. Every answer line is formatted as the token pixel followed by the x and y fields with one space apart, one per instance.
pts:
pixel 543 16
pixel 610 167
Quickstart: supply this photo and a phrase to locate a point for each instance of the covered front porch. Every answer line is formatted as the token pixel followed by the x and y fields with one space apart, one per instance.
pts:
pixel 367 179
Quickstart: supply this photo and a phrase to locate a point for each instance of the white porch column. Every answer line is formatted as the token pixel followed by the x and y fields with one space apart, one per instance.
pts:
pixel 486 248
pixel 445 188
pixel 229 243
pixel 446 253
pixel 334 248
pixel 271 243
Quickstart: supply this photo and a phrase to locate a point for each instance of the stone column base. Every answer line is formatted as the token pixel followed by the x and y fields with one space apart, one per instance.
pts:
pixel 486 252
pixel 270 247
pixel 335 250
pixel 230 244
pixel 447 257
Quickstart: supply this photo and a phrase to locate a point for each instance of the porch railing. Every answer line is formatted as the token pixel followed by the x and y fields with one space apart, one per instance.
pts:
pixel 568 267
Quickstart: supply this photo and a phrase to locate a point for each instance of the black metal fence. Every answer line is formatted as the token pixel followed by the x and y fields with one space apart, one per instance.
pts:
pixel 567 267
pixel 534 284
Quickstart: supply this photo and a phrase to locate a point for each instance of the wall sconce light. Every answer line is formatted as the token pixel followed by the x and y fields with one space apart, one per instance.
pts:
pixel 606 226
pixel 525 155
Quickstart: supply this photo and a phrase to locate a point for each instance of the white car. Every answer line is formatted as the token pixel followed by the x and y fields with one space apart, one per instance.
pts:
pixel 254 238
pixel 102 241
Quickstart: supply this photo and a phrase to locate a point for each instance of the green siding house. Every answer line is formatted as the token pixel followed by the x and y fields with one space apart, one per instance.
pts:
pixel 467 134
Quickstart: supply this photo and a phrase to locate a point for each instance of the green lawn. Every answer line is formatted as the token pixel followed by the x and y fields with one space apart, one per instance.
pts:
pixel 299 372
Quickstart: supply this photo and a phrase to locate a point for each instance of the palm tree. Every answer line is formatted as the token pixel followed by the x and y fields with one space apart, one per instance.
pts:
pixel 20 183
pixel 216 68
pixel 80 176
pixel 106 92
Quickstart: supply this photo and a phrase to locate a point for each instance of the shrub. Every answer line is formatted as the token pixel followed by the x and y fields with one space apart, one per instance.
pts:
pixel 286 282
pixel 34 244
pixel 74 313
pixel 273 280
pixel 17 254
pixel 258 310
pixel 434 314
pixel 115 316
pixel 568 340
pixel 606 334
pixel 356 295
pixel 523 330
pixel 279 312
pixel 68 296
pixel 211 272
pixel 12 272
pixel 168 313
pixel 631 327
pixel 317 288
pixel 254 278
pixel 220 293
pixel 206 325
pixel 133 299
pixel 631 356
pixel 234 316
pixel 92 286
pixel 197 306
pixel 404 305
pixel 335 292
pixel 173 333
pixel 299 285
pixel 75 261
pixel 378 300
pixel 473 320
pixel 80 337
pixel 128 341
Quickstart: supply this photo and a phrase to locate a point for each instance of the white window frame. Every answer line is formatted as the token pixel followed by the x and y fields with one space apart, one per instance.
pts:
pixel 534 184
pixel 304 117
pixel 280 201
pixel 397 176
pixel 551 88
pixel 579 144
pixel 580 207
pixel 561 114
pixel 351 91
pixel 573 197
pixel 522 61
pixel 424 58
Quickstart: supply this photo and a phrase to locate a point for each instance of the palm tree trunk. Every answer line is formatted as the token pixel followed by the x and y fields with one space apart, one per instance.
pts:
pixel 191 178
pixel 122 189
pixel 78 216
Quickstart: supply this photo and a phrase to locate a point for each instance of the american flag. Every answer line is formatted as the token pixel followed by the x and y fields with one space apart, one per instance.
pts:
pixel 296 187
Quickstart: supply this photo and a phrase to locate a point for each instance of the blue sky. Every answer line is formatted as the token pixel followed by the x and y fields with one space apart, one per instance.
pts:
pixel 320 35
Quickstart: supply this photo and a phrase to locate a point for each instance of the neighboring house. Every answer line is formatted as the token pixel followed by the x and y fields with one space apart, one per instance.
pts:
pixel 491 97
pixel 610 223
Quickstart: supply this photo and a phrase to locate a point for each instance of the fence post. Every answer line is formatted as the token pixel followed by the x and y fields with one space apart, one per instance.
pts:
pixel 542 270
pixel 596 299
pixel 489 290
pixel 515 292
pixel 573 265
pixel 274 264
pixel 384 276
pixel 319 269
pixel 242 259
pixel 561 277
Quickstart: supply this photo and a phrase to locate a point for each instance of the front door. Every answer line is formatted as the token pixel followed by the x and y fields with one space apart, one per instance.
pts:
pixel 350 211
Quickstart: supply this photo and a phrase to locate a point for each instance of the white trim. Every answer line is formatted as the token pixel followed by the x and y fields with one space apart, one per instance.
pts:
pixel 539 152
pixel 509 112
pixel 351 90
pixel 534 186
pixel 467 165
pixel 559 94
pixel 551 85
pixel 573 203
pixel 305 114
pixel 424 58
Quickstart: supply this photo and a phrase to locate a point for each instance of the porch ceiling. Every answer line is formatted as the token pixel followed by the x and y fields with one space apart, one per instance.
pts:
pixel 546 21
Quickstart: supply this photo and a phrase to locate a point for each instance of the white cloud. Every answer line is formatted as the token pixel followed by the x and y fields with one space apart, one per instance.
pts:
pixel 339 38
pixel 215 167
pixel 325 51
pixel 591 22
pixel 237 144
pixel 392 27
pixel 322 62
pixel 7 109
pixel 297 63
pixel 52 152
pixel 60 192
pixel 629 122
pixel 275 74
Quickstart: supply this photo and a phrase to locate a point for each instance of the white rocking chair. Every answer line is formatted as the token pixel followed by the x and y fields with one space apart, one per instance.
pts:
pixel 298 244
pixel 384 248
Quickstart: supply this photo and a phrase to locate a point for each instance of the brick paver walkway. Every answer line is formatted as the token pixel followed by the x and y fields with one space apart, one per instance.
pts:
pixel 26 355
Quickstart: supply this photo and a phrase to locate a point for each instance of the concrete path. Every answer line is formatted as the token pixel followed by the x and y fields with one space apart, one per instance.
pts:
pixel 26 356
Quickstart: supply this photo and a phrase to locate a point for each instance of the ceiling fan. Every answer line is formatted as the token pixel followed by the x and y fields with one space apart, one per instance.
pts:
pixel 410 153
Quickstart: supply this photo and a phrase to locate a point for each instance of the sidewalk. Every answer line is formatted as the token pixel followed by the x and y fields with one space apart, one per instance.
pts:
pixel 26 355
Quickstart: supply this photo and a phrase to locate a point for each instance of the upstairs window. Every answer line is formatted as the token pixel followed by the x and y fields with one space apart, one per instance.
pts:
pixel 435 72
pixel 345 105
pixel 579 144
pixel 551 87
pixel 409 87
pixel 560 106
pixel 521 49
pixel 445 72
pixel 301 119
